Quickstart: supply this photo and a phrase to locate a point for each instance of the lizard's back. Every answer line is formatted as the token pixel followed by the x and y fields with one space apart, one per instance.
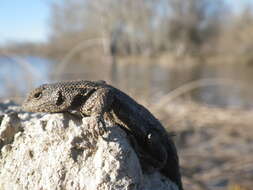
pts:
pixel 142 123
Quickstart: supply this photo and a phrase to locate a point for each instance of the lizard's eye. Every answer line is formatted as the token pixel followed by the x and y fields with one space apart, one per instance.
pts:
pixel 37 95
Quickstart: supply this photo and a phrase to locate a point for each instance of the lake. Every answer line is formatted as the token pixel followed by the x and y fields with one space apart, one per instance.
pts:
pixel 231 86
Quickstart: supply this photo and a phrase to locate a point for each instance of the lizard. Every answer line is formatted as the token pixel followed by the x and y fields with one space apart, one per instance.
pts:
pixel 97 98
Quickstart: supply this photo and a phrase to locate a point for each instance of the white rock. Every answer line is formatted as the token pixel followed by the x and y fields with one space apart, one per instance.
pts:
pixel 58 151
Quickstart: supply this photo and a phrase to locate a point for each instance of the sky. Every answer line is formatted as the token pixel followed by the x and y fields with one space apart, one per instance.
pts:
pixel 24 20
pixel 28 20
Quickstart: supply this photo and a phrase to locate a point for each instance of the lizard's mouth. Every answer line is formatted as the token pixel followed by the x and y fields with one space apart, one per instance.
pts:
pixel 30 107
pixel 27 107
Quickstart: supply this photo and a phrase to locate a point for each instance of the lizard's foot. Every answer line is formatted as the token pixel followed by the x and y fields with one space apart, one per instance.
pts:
pixel 100 128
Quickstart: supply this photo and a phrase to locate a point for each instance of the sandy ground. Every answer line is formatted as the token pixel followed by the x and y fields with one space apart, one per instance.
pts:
pixel 215 145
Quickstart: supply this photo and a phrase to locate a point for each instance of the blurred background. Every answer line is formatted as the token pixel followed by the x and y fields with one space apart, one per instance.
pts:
pixel 189 61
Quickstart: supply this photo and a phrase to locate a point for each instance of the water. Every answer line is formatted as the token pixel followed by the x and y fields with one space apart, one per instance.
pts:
pixel 144 81
pixel 230 84
pixel 19 74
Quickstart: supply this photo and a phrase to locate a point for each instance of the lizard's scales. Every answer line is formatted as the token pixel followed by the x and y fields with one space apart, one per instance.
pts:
pixel 155 146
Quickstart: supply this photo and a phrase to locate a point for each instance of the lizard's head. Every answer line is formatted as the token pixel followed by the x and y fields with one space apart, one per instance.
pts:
pixel 45 98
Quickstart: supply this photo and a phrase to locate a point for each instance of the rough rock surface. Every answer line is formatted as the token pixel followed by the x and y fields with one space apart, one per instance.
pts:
pixel 58 151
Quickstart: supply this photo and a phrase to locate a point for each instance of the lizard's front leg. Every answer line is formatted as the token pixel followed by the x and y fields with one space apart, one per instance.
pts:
pixel 96 105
